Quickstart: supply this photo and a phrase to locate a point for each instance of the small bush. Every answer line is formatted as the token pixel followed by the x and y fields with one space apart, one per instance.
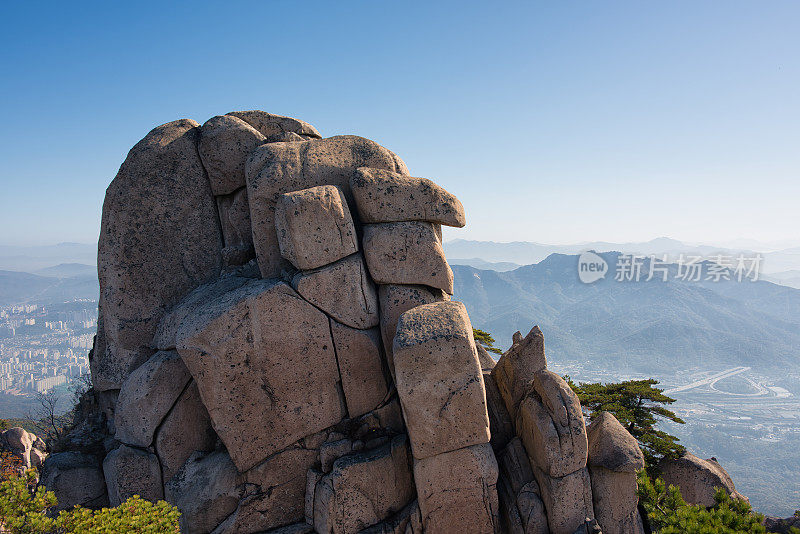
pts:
pixel 668 513
pixel 24 510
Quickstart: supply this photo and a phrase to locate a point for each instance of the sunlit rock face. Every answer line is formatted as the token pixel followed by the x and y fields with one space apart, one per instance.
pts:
pixel 277 352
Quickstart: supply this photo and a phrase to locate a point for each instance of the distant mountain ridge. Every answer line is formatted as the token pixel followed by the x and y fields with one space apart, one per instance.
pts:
pixel 31 259
pixel 526 253
pixel 21 288
pixel 636 326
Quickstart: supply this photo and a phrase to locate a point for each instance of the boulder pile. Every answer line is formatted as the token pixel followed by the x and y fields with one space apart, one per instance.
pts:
pixel 277 352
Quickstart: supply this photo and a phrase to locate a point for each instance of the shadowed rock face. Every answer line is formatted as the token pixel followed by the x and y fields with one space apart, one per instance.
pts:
pixel 159 238
pixel 277 352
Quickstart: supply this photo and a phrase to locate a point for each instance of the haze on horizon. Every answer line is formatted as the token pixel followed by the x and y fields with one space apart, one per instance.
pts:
pixel 552 123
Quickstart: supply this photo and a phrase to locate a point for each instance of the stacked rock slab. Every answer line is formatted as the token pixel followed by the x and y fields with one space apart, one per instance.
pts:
pixel 614 458
pixel 277 351
pixel 440 384
pixel 549 422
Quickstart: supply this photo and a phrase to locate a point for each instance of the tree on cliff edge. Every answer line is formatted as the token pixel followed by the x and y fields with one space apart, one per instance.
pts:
pixel 637 404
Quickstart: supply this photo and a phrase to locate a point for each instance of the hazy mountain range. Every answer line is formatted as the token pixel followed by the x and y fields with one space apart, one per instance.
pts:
pixel 648 327
pixel 31 259
pixel 780 265
pixel 59 283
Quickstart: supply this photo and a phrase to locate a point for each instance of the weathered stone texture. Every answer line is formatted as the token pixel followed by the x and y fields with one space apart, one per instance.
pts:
pixel 186 429
pixel 406 253
pixel 457 491
pixel 147 395
pixel 277 127
pixel 697 478
pixel 385 196
pixel 343 290
pixel 159 238
pixel 262 353
pixel 550 423
pixel 76 479
pixel 314 227
pixel 361 367
pixel 206 491
pixel 225 143
pixel 567 499
pixel 130 472
pixel 274 493
pixel 439 379
pixel 276 168
pixel 515 370
pixel 364 489
pixel 394 301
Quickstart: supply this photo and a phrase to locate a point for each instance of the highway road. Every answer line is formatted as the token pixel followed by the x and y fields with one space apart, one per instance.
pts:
pixel 709 380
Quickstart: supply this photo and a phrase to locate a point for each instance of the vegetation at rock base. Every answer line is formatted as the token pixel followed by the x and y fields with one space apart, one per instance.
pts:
pixel 10 465
pixel 25 509
pixel 668 513
pixel 636 404
pixel 485 339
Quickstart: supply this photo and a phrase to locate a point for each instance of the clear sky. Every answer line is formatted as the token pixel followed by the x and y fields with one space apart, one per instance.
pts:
pixel 552 121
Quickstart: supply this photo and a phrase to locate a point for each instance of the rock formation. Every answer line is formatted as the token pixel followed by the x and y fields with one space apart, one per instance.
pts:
pixel 277 352
pixel 698 479
pixel 29 449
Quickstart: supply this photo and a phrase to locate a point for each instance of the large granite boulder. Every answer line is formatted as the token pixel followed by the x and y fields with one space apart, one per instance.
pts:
pixel 167 331
pixel 343 290
pixel 239 365
pixel 394 300
pixel 276 168
pixel 406 253
pixel 457 491
pixel 697 478
pixel 439 379
pixel 186 429
pixel 550 423
pixel 385 196
pixel 76 479
pixel 614 459
pixel 21 444
pixel 128 472
pixel 262 353
pixel 276 127
pixel 364 488
pixel 159 238
pixel 273 492
pixel 225 143
pixel 314 226
pixel 567 500
pixel 206 490
pixel 516 369
pixel 361 366
pixel 146 397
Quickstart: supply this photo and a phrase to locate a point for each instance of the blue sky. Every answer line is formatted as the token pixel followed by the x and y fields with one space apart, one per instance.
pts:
pixel 553 122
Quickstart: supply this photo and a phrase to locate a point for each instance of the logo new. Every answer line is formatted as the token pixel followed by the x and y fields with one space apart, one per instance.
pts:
pixel 591 267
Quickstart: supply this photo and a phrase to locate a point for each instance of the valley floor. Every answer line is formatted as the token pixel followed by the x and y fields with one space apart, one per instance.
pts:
pixel 750 422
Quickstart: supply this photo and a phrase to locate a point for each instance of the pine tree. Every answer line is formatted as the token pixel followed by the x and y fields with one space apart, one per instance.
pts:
pixel 668 513
pixel 637 404
pixel 485 339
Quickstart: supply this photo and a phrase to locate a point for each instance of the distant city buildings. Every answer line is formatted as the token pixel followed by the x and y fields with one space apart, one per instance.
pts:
pixel 42 347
